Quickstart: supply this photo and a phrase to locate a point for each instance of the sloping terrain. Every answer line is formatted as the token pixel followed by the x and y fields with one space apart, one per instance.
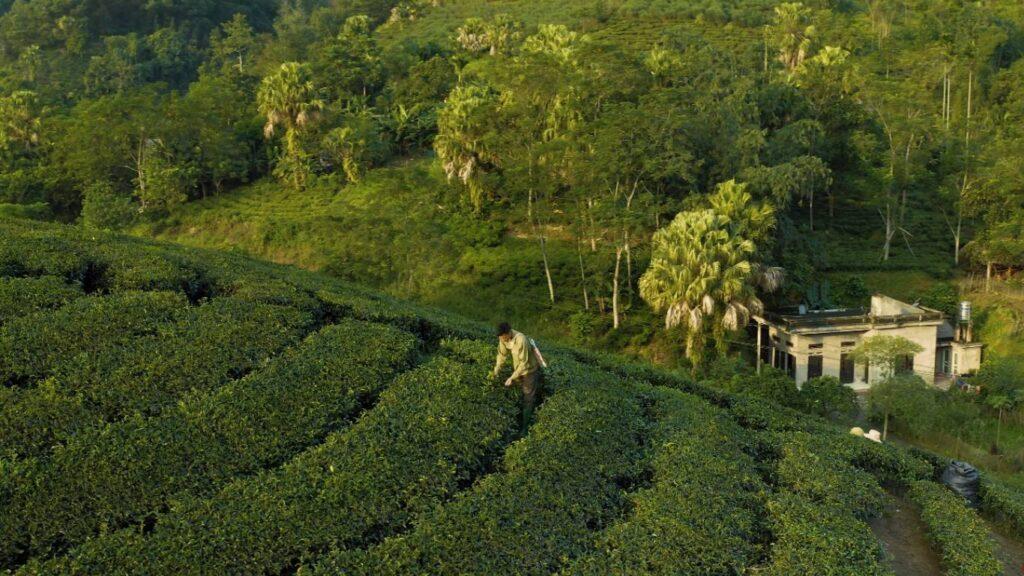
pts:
pixel 177 411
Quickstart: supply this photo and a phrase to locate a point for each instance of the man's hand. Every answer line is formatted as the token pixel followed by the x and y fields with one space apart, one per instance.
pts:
pixel 509 382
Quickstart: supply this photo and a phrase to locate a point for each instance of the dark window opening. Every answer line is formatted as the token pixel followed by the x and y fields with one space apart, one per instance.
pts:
pixel 849 344
pixel 846 369
pixel 905 364
pixel 791 365
pixel 816 346
pixel 814 366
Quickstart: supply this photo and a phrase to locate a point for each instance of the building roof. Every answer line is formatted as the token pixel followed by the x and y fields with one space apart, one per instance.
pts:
pixel 883 311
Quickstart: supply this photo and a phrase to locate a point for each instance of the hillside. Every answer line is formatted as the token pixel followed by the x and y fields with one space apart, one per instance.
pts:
pixel 178 411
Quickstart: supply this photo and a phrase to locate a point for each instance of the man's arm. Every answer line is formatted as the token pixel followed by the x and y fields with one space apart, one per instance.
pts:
pixel 502 355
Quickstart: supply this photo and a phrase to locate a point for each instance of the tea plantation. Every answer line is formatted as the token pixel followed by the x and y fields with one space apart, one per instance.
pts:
pixel 169 411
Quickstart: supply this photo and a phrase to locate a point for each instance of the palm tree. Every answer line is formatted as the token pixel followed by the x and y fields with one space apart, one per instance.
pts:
pixel 19 122
pixel 288 100
pixel 792 34
pixel 704 272
pixel 462 143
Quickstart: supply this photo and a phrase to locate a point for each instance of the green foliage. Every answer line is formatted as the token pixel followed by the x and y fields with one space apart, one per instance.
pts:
pixel 809 539
pixel 104 208
pixel 772 385
pixel 36 211
pixel 885 352
pixel 1003 503
pixel 412 450
pixel 23 296
pixel 677 525
pixel 829 398
pixel 962 539
pixel 240 428
pixel 536 512
pixel 907 399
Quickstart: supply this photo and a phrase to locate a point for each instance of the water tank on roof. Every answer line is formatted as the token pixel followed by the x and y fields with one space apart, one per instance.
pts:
pixel 965 312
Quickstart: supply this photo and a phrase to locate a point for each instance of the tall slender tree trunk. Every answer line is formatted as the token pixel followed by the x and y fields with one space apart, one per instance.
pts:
pixel 812 210
pixel 988 276
pixel 547 267
pixel 583 276
pixel 615 288
pixel 885 427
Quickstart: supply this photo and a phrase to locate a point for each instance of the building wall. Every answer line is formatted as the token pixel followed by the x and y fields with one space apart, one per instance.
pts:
pixel 831 349
pixel 967 357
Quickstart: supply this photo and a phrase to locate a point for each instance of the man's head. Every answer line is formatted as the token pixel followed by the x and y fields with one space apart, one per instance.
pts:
pixel 504 331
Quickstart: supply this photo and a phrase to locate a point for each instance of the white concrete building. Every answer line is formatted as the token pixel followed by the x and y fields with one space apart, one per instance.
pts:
pixel 808 344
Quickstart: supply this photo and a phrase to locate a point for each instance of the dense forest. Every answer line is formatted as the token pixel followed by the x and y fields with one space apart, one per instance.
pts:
pixel 774 140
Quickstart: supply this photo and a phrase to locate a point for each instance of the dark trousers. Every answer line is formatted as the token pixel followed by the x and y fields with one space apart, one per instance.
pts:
pixel 531 385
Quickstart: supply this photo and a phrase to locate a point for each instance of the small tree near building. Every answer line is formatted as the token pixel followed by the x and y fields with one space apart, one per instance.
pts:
pixel 886 352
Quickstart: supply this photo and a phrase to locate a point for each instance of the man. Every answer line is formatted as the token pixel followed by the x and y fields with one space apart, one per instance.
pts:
pixel 525 367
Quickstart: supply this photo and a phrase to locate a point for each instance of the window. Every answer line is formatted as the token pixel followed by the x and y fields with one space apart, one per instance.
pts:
pixel 814 366
pixel 817 346
pixel 846 368
pixel 905 364
pixel 867 372
pixel 791 365
pixel 849 344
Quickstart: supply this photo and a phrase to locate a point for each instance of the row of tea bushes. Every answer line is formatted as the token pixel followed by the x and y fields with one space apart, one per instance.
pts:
pixel 555 487
pixel 414 449
pixel 128 471
pixel 1003 504
pixel 35 346
pixel 817 516
pixel 959 535
pixel 702 512
pixel 23 296
pixel 203 348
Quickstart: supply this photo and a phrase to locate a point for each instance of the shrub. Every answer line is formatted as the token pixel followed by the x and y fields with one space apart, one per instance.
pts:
pixel 556 486
pixel 1002 503
pixel 204 348
pixel 411 451
pixel 828 398
pixel 22 296
pixel 678 526
pixel 35 346
pixel 813 539
pixel 820 475
pixel 121 474
pixel 961 538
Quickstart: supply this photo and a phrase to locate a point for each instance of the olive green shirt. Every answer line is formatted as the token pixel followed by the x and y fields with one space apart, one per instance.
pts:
pixel 523 360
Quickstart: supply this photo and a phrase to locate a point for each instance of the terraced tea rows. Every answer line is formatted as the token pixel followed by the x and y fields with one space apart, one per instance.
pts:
pixel 169 411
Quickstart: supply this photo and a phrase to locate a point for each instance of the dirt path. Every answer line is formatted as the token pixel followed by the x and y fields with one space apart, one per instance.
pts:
pixel 903 536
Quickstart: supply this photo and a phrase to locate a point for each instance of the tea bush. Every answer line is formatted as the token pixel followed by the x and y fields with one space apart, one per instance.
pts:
pixel 1002 503
pixel 128 471
pixel 410 452
pixel 22 296
pixel 678 525
pixel 201 349
pixel 961 538
pixel 554 487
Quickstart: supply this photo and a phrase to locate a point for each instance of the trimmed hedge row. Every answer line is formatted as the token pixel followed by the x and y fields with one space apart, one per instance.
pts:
pixel 202 349
pixel 818 516
pixel 35 346
pixel 21 296
pixel 959 535
pixel 811 539
pixel 701 515
pixel 432 430
pixel 557 485
pixel 819 475
pixel 1003 504
pixel 121 474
